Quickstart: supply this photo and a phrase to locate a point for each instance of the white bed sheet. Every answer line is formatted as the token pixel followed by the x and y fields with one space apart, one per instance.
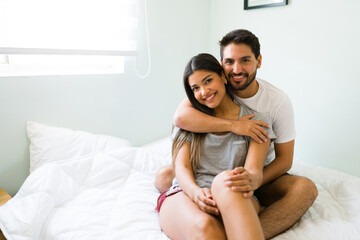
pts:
pixel 111 195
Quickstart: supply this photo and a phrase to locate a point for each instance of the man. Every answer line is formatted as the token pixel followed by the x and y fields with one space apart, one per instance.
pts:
pixel 286 197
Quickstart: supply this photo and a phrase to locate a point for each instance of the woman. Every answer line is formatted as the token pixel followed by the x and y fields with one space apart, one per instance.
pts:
pixel 200 205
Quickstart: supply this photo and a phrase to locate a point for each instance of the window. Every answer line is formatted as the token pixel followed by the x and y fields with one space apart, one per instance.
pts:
pixel 66 36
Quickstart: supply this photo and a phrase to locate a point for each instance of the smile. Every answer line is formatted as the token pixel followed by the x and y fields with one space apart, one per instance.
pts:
pixel 238 78
pixel 210 98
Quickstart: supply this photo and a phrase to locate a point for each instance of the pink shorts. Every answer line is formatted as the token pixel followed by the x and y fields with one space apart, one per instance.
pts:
pixel 171 191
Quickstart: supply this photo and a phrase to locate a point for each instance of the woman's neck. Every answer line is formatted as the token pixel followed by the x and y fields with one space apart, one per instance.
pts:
pixel 227 109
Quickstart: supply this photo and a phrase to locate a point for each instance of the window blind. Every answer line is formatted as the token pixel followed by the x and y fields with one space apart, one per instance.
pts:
pixel 68 27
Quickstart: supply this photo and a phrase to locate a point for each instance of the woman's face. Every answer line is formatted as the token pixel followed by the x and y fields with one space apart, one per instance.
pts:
pixel 208 87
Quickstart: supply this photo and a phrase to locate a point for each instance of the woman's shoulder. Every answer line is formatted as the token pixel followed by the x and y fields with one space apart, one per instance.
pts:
pixel 258 116
pixel 179 134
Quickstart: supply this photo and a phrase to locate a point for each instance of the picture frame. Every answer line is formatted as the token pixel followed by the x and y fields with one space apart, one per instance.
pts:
pixel 253 4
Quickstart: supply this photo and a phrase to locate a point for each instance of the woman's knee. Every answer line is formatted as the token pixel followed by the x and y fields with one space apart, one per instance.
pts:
pixel 218 184
pixel 164 177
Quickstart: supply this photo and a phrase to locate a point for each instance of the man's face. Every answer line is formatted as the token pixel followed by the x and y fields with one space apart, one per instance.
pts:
pixel 240 65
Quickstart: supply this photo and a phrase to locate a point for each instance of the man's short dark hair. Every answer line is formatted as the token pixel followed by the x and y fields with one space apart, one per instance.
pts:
pixel 240 36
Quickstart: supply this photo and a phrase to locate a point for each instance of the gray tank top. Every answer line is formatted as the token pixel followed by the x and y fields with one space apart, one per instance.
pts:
pixel 223 152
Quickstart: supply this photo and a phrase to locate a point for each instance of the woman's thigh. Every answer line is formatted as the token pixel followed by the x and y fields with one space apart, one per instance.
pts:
pixel 180 218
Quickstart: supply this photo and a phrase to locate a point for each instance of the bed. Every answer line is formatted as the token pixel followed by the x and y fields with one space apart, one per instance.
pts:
pixel 87 186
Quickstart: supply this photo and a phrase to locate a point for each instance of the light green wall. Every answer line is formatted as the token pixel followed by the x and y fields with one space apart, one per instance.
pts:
pixel 310 50
pixel 126 106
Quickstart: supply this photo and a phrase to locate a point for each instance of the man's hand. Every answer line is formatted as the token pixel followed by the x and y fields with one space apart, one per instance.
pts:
pixel 203 198
pixel 252 128
pixel 243 181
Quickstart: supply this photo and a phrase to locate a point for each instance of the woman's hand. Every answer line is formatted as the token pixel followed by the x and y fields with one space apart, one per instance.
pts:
pixel 203 198
pixel 243 181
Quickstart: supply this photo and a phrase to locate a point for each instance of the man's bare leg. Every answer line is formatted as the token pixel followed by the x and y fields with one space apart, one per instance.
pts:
pixel 164 177
pixel 287 199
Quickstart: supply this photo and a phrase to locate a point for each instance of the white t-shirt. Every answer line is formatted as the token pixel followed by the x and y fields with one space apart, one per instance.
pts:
pixel 276 105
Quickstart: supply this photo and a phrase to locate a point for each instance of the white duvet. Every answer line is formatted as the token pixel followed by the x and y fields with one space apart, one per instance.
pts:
pixel 112 196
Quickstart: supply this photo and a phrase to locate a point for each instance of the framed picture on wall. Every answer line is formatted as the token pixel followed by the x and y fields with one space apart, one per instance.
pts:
pixel 252 4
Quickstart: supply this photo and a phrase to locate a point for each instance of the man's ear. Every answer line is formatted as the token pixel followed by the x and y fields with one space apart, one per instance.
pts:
pixel 259 59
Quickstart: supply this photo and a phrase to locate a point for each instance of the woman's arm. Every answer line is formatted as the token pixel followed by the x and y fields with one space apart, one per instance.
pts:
pixel 183 171
pixel 190 119
pixel 249 178
pixel 255 161
pixel 184 175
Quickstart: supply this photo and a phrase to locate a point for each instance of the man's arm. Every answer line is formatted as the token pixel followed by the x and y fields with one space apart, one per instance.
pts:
pixel 282 163
pixel 190 119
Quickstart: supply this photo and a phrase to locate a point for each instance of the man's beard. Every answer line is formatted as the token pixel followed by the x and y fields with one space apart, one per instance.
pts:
pixel 249 80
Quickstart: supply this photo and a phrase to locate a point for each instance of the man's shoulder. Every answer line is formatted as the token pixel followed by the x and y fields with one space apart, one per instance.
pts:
pixel 269 87
pixel 272 92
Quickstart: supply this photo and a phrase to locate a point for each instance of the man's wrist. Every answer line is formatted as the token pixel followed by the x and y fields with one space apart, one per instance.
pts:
pixel 229 125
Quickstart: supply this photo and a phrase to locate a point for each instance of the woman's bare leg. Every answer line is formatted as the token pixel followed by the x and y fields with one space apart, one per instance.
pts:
pixel 238 213
pixel 180 218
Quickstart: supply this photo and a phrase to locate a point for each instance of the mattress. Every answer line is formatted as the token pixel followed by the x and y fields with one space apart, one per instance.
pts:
pixel 109 193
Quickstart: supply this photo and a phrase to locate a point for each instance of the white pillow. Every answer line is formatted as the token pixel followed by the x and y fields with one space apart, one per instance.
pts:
pixel 51 144
pixel 162 147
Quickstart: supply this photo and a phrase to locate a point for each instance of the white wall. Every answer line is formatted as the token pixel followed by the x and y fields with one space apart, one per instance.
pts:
pixel 119 105
pixel 310 50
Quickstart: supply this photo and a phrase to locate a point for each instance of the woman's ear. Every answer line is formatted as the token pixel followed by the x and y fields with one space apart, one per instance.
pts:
pixel 224 78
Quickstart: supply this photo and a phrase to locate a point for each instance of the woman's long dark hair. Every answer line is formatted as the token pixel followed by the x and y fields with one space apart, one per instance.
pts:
pixel 206 62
